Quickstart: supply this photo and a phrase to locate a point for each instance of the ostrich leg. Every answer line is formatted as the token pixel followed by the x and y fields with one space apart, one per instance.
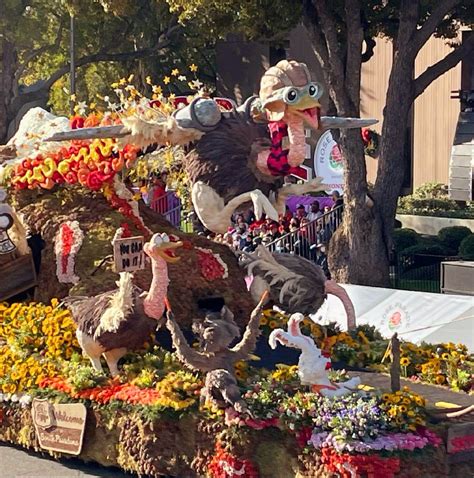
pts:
pixel 91 349
pixel 112 357
pixel 215 215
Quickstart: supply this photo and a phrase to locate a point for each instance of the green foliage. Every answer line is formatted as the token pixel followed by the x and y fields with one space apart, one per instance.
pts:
pixel 431 199
pixel 430 249
pixel 39 32
pixel 452 237
pixel 404 238
pixel 466 249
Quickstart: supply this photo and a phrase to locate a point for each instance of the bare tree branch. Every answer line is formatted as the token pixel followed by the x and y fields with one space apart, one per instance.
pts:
pixel 422 35
pixel 311 24
pixel 355 37
pixel 164 42
pixel 39 51
pixel 442 66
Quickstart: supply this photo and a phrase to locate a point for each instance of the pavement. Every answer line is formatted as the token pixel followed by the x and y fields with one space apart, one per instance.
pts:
pixel 16 462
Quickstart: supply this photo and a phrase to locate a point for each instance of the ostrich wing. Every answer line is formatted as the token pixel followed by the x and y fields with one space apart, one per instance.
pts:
pixel 296 283
pixel 104 312
pixel 225 158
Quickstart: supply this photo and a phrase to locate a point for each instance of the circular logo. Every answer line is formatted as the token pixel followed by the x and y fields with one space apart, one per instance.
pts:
pixel 328 162
pixel 335 159
pixel 396 317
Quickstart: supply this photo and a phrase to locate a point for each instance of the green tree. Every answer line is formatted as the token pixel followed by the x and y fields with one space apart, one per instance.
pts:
pixel 112 38
pixel 343 36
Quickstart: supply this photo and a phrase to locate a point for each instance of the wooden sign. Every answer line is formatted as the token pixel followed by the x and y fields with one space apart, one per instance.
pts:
pixel 128 254
pixel 461 438
pixel 59 427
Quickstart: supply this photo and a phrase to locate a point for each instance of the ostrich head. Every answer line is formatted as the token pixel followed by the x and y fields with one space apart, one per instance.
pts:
pixel 162 246
pixel 217 331
pixel 286 89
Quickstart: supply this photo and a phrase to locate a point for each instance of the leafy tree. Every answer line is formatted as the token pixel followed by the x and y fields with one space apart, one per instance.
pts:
pixel 113 39
pixel 342 36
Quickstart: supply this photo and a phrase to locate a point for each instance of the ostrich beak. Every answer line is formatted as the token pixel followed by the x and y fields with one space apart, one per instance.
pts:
pixel 333 122
pixel 163 246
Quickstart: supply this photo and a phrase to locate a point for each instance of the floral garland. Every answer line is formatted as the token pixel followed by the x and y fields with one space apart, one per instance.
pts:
pixel 67 243
pixel 211 264
pixel 346 465
pixel 88 163
pixel 225 465
pixel 371 141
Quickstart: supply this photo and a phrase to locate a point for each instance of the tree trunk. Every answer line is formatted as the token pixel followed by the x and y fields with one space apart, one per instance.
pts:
pixel 7 85
pixel 357 253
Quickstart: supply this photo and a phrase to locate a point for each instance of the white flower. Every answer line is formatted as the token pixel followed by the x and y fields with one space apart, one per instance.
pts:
pixel 15 398
pixel 25 400
pixel 1 397
pixel 181 78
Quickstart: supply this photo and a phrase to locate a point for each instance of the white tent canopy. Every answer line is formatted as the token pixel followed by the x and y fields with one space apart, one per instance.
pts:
pixel 415 316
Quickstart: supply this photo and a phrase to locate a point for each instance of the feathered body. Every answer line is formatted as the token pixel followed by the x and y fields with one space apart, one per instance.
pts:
pixel 313 365
pixel 114 319
pixel 296 284
pixel 114 322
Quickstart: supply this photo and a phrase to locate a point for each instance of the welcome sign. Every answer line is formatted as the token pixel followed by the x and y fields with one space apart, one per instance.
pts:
pixel 59 427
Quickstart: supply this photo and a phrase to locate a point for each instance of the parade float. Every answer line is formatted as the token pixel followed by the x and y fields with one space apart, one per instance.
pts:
pixel 81 370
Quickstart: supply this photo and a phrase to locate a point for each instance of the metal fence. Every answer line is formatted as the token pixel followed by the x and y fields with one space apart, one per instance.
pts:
pixel 168 206
pixel 304 240
pixel 418 272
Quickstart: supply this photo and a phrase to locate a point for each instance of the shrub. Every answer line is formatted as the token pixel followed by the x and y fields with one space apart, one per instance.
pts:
pixel 430 249
pixel 466 249
pixel 452 237
pixel 431 199
pixel 403 238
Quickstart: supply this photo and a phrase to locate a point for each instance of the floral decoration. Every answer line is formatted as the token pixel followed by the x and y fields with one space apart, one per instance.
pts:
pixel 347 466
pixel 371 141
pixel 67 243
pixel 225 465
pixel 36 340
pixel 405 409
pixel 211 264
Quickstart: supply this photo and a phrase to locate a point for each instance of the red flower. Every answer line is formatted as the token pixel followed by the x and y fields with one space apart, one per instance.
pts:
pixel 77 122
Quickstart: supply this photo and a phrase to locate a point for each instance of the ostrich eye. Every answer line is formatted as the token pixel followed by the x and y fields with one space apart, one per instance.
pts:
pixel 313 90
pixel 291 96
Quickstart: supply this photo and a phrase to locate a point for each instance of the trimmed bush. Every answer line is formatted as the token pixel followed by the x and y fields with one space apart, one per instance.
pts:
pixel 466 249
pixel 452 237
pixel 429 249
pixel 403 238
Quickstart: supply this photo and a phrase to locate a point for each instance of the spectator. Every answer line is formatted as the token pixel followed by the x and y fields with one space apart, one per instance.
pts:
pixel 300 211
pixel 336 197
pixel 322 260
pixel 315 212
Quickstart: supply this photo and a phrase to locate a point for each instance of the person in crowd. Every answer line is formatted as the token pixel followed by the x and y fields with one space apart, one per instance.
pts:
pixel 322 260
pixel 300 211
pixel 336 197
pixel 158 193
pixel 315 211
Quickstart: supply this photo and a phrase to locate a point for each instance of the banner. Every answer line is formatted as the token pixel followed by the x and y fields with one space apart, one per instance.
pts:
pixel 328 163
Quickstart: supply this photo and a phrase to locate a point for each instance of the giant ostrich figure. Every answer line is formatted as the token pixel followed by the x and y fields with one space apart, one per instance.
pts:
pixel 123 319
pixel 294 283
pixel 239 156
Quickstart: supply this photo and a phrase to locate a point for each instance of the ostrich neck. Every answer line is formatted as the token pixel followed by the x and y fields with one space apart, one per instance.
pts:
pixel 296 153
pixel 154 303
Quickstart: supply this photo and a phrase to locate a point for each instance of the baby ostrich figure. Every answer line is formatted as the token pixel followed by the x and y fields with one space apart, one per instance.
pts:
pixel 215 358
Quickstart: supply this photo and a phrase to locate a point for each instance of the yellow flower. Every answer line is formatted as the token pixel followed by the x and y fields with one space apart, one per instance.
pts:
pixel 263 320
pixel 193 68
pixel 273 324
pixel 166 80
pixel 445 356
pixel 403 408
pixel 405 361
pixel 419 421
pixel 440 379
pixel 175 72
pixel 148 80
pixel 157 89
